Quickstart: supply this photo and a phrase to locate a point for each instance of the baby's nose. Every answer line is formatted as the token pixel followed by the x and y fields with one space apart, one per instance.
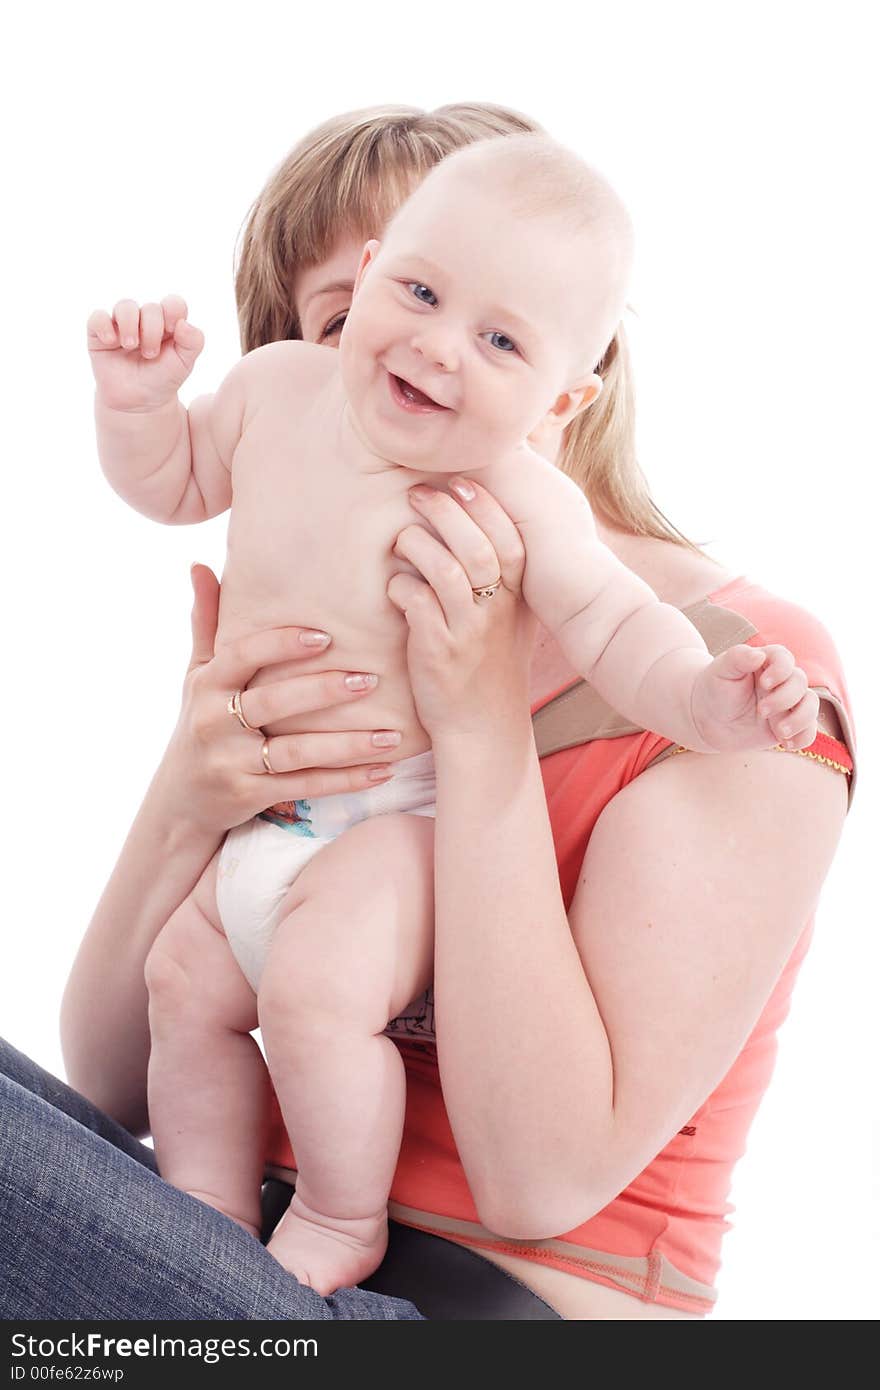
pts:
pixel 438 348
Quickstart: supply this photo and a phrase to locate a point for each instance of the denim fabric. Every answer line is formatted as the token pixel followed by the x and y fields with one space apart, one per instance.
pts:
pixel 89 1230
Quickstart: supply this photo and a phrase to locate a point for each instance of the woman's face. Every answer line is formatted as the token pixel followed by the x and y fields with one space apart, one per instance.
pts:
pixel 322 293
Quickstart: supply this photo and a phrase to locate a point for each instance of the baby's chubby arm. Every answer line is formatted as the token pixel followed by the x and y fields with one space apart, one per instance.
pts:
pixel 642 656
pixel 609 623
pixel 170 463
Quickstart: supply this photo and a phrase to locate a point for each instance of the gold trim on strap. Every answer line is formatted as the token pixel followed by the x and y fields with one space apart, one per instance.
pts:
pixel 801 752
pixel 845 728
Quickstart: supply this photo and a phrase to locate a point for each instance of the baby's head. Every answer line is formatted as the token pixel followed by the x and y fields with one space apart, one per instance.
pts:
pixel 479 318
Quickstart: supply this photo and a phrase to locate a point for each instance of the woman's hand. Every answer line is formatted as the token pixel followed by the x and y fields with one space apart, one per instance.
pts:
pixel 218 765
pixel 468 658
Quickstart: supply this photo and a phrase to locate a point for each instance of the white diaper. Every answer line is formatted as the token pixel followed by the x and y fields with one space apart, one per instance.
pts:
pixel 261 859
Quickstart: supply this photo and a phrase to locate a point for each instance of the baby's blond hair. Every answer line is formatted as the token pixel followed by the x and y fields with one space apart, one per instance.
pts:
pixel 347 178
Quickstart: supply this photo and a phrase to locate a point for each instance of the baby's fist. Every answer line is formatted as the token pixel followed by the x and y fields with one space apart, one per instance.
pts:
pixel 755 697
pixel 141 356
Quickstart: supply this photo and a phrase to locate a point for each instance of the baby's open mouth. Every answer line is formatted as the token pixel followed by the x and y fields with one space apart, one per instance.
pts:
pixel 410 397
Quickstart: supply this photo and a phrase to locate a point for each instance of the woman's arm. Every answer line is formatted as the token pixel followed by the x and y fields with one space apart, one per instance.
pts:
pixel 104 1033
pixel 210 778
pixel 572 1049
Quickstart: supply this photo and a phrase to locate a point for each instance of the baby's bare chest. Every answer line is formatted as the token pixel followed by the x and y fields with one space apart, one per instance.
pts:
pixel 310 532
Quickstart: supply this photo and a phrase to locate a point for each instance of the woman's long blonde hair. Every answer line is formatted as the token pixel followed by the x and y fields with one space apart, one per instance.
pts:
pixel 345 179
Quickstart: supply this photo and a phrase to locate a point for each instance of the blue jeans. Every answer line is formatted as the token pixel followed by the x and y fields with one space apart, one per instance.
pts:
pixel 89 1230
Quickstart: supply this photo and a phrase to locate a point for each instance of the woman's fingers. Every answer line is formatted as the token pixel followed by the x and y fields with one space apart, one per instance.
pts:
pixel 500 528
pixel 238 661
pixel 476 529
pixel 442 570
pixel 313 782
pixel 323 752
pixel 206 604
pixel 266 704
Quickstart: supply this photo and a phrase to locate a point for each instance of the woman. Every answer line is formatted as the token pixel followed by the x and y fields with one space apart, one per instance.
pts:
pixel 616 939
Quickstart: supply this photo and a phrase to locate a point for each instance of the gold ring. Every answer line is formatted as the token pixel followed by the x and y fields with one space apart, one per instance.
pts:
pixel 487 590
pixel 265 752
pixel 233 706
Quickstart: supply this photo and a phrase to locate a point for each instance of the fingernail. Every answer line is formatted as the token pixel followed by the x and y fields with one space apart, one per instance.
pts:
pixel 766 681
pixel 463 489
pixel 149 352
pixel 380 774
pixel 386 738
pixel 313 637
pixel 358 681
pixel 420 493
pixel 786 730
pixel 129 342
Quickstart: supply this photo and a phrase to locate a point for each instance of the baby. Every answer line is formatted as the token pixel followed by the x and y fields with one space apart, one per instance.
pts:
pixel 476 324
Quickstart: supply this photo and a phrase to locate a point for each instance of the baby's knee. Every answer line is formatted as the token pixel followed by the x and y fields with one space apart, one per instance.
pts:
pixel 169 983
pixel 179 959
pixel 309 1007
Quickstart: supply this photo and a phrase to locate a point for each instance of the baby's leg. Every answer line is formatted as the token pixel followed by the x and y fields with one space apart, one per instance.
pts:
pixel 208 1088
pixel 355 949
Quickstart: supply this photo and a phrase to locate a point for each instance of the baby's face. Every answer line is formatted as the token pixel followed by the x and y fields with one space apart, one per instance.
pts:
pixel 465 329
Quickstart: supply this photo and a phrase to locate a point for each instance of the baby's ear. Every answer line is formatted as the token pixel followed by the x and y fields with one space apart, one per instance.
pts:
pixel 368 255
pixel 571 402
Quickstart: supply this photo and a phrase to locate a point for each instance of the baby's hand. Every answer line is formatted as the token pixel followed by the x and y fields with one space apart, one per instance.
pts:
pixel 754 697
pixel 142 356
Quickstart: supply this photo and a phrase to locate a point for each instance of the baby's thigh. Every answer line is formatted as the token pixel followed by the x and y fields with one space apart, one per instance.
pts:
pixel 359 920
pixel 191 968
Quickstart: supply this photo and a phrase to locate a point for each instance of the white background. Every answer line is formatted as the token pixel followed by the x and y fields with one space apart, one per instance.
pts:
pixel 741 137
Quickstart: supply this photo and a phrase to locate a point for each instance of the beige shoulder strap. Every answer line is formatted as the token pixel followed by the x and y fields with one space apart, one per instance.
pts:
pixel 579 714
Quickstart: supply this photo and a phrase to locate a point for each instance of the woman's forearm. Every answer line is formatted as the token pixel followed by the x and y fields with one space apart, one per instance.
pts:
pixel 523 1054
pixel 104 1030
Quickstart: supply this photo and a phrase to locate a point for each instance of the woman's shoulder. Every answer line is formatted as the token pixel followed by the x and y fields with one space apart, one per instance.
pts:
pixel 706 591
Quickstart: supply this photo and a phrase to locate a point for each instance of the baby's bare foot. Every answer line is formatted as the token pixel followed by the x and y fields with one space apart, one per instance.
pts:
pixel 328 1253
pixel 211 1200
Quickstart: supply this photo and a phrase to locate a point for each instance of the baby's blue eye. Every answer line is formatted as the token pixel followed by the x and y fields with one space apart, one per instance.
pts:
pixel 502 342
pixel 422 293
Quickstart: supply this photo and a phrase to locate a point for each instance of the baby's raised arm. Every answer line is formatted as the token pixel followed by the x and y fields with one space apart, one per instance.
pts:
pixel 170 463
pixel 643 656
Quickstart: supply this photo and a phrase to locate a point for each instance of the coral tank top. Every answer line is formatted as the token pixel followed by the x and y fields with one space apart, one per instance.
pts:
pixel 660 1238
